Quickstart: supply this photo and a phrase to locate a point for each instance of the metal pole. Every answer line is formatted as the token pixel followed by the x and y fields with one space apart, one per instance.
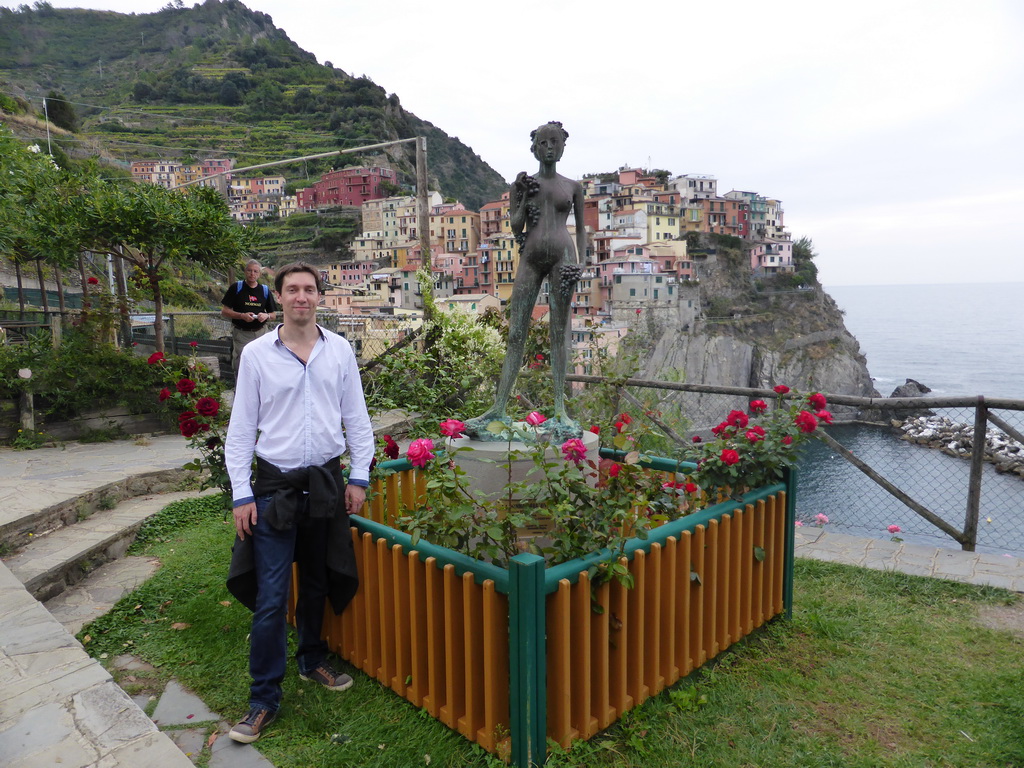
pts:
pixel 974 487
pixel 423 220
pixel 46 115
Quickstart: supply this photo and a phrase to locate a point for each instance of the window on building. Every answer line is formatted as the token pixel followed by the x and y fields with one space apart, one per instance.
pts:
pixel 632 291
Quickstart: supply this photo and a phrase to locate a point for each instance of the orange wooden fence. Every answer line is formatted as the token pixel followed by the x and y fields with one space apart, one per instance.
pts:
pixel 434 625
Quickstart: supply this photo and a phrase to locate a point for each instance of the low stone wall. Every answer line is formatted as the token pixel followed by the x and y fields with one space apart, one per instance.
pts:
pixel 955 439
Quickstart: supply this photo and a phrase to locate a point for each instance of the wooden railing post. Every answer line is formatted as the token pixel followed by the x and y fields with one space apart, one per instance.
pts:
pixel 527 661
pixel 970 539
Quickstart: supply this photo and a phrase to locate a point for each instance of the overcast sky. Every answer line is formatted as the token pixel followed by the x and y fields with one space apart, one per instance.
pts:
pixel 891 129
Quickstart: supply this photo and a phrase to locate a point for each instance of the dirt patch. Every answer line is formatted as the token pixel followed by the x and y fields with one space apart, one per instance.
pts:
pixel 1006 617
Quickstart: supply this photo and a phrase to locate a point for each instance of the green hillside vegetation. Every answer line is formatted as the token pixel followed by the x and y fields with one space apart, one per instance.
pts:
pixel 217 79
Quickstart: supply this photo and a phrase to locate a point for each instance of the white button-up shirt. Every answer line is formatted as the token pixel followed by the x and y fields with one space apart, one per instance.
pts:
pixel 297 411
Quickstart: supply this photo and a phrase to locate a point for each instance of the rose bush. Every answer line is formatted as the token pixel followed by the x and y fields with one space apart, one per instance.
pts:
pixel 751 449
pixel 194 395
pixel 592 505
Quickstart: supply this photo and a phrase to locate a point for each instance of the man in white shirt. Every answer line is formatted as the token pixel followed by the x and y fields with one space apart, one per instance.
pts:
pixel 296 388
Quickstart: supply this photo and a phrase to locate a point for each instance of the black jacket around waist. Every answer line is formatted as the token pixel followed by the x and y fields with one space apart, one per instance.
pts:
pixel 326 489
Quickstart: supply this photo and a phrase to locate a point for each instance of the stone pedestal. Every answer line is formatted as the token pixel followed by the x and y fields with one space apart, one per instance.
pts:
pixel 486 464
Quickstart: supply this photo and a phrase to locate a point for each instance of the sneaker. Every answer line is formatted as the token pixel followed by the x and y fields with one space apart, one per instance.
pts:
pixel 328 677
pixel 249 728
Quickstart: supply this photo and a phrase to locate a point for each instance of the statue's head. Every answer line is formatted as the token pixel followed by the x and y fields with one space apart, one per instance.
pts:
pixel 549 141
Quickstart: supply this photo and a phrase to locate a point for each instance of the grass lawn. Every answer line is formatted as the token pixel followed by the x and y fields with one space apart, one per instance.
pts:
pixel 875 669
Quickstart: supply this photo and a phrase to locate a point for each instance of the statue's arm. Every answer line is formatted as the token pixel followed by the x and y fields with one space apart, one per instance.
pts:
pixel 581 229
pixel 517 205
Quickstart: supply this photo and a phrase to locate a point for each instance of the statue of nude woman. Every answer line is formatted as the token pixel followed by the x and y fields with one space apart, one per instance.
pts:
pixel 538 208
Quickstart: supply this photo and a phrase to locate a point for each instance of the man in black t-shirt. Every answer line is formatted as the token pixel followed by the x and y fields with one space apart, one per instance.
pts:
pixel 249 305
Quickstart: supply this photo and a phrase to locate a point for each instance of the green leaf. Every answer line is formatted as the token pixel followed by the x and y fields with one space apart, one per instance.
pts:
pixel 632 457
pixel 497 427
pixel 759 554
pixel 621 442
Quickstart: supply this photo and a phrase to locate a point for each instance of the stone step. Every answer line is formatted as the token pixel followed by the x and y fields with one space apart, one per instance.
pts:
pixel 51 563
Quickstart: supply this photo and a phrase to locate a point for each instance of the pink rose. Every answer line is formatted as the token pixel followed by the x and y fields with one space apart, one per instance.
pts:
pixel 729 456
pixel 817 401
pixel 798 524
pixel 758 406
pixel 821 518
pixel 420 452
pixel 452 428
pixel 574 450
pixel 806 421
pixel 894 529
pixel 535 419
pixel 781 389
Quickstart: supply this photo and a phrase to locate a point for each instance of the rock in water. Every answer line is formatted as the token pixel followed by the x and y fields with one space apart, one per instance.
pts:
pixel 910 389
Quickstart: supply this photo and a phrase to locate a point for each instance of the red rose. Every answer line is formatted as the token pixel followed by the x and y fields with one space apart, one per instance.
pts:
pixel 193 344
pixel 390 447
pixel 207 406
pixel 755 433
pixel 185 386
pixel 817 401
pixel 625 418
pixel 737 419
pixel 781 389
pixel 787 440
pixel 806 421
pixel 718 430
pixel 156 357
pixel 824 416
pixel 595 429
pixel 164 394
pixel 614 469
pixel 696 438
pixel 758 406
pixel 212 443
pixel 189 427
pixel 93 281
pixel 729 456
pixel 691 488
pixel 186 416
pixel 619 426
pixel 538 357
pixel 204 427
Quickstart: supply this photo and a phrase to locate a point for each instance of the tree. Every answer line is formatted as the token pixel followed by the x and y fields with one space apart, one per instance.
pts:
pixel 60 112
pixel 804 269
pixel 35 195
pixel 153 228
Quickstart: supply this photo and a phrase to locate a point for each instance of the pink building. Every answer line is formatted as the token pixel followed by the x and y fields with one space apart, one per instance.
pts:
pixel 349 186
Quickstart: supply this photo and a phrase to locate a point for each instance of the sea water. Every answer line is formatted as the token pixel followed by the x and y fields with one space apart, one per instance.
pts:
pixel 956 340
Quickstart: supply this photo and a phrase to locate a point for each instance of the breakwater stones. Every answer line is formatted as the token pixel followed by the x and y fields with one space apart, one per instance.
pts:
pixel 957 440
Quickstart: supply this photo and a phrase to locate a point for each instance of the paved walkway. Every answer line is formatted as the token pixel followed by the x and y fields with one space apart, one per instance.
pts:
pixel 60 707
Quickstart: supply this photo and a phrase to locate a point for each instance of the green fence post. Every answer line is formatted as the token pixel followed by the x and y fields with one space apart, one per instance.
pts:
pixel 527 685
pixel 789 478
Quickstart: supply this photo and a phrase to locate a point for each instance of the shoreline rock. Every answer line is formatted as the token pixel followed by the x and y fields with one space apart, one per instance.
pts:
pixel 955 439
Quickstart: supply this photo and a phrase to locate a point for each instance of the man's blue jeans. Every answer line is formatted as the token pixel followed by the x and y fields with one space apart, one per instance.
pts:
pixel 306 544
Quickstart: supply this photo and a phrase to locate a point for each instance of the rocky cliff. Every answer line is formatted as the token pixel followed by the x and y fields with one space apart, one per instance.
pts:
pixel 756 333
